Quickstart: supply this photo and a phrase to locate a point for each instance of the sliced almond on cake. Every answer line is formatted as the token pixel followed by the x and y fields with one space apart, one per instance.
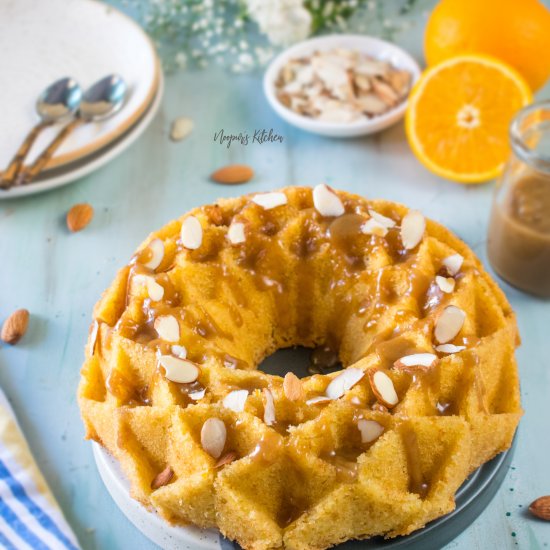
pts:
pixel 382 387
pixel 156 248
pixel 449 324
pixel 370 430
pixel 449 348
pixel 453 263
pixel 326 201
pixel 179 370
pixel 213 436
pixel 413 226
pixel 235 400
pixel 167 328
pixel 270 200
pixel 163 478
pixel 269 407
pixel 416 361
pixel 226 459
pixel 343 382
pixel 446 284
pixel 235 233
pixel 191 233
pixel 292 386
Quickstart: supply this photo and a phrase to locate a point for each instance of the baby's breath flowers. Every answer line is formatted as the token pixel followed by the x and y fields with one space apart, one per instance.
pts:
pixel 245 34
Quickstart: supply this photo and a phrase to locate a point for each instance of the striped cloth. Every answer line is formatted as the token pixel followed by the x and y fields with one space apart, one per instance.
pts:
pixel 29 516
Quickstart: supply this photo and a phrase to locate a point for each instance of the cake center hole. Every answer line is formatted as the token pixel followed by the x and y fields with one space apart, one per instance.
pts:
pixel 301 361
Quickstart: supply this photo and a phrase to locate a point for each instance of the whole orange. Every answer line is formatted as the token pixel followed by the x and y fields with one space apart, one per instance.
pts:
pixel 515 31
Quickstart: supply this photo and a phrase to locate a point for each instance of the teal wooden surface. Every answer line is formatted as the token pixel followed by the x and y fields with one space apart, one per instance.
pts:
pixel 58 276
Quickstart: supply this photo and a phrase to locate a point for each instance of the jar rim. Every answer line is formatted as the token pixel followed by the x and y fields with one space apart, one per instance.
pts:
pixel 527 117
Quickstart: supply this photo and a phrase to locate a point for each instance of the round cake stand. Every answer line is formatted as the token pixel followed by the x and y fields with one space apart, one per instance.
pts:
pixel 471 499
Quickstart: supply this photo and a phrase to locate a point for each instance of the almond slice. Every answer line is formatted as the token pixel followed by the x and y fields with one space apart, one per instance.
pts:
pixel 167 328
pixel 382 220
pixel 446 284
pixel 235 400
pixel 179 370
pixel 156 246
pixel 226 459
pixel 197 395
pixel 179 351
pixel 270 200
pixel 326 201
pixel 413 226
pixel 154 290
pixel 213 436
pixel 373 227
pixel 191 233
pixel 94 329
pixel 235 233
pixel 449 348
pixel 163 478
pixel 382 387
pixel 370 430
pixel 292 386
pixel 449 324
pixel 453 263
pixel 420 361
pixel 344 382
pixel 269 407
pixel 318 400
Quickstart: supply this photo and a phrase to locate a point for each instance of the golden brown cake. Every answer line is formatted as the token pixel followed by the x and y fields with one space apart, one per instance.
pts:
pixel 429 391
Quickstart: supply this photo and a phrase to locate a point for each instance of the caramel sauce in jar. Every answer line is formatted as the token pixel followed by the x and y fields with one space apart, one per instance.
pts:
pixel 519 230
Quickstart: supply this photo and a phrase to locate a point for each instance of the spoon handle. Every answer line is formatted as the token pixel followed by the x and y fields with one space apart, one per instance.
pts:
pixel 11 173
pixel 40 163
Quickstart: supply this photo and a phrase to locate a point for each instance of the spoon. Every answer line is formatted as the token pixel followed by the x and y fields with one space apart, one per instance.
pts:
pixel 100 101
pixel 58 101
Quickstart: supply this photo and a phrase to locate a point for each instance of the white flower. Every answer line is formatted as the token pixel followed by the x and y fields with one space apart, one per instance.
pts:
pixel 283 21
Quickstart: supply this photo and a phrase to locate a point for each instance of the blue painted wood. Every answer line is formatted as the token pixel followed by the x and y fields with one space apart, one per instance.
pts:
pixel 58 276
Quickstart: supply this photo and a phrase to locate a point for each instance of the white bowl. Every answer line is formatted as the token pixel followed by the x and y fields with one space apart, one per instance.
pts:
pixel 379 49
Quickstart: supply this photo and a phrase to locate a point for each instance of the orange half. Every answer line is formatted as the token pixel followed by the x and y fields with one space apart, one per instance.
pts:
pixel 458 116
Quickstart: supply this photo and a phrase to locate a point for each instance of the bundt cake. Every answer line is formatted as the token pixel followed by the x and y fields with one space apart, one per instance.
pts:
pixel 429 390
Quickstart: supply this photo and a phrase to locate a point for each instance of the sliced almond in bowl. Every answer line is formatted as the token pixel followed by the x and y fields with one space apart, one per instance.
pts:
pixel 413 226
pixel 191 233
pixel 178 370
pixel 382 387
pixel 326 201
pixel 167 328
pixel 343 382
pixel 213 436
pixel 449 324
pixel 370 430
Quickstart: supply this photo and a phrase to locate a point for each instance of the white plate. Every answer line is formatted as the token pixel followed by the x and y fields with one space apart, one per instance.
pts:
pixel 380 49
pixel 42 41
pixel 149 523
pixel 72 172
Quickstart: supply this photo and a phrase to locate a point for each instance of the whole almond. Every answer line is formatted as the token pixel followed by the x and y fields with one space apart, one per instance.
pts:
pixel 292 386
pixel 15 326
pixel 541 508
pixel 163 478
pixel 79 216
pixel 233 174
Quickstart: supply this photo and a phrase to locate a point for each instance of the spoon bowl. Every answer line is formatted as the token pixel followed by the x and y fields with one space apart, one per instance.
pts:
pixel 59 100
pixel 103 99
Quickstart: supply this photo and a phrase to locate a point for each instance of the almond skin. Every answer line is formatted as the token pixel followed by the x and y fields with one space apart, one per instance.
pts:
pixel 15 326
pixel 79 216
pixel 233 174
pixel 163 478
pixel 227 458
pixel 541 508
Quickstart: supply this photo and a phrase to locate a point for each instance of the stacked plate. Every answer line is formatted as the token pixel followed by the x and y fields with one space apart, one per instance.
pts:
pixel 85 40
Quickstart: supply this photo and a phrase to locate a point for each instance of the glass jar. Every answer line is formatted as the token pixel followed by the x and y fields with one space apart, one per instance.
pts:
pixel 519 230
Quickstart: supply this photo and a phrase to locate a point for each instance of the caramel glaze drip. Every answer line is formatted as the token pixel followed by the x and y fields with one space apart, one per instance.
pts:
pixel 417 482
pixel 123 389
